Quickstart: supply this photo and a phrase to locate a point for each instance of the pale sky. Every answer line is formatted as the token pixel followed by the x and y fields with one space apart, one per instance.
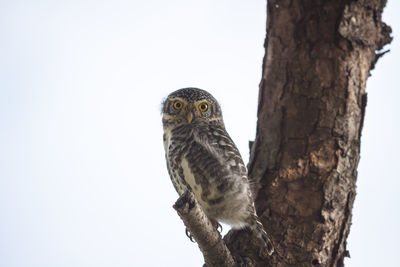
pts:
pixel 83 180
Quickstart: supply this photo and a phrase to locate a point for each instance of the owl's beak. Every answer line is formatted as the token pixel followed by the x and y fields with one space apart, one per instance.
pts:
pixel 190 117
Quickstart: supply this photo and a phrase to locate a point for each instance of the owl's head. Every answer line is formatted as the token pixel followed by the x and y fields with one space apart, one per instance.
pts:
pixel 190 106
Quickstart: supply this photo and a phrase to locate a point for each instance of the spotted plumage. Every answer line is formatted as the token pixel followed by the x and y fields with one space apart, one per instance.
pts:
pixel 201 157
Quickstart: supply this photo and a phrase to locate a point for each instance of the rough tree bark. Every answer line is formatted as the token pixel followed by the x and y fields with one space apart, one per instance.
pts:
pixel 318 56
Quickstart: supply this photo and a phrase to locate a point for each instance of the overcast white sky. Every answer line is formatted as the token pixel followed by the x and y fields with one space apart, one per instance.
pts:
pixel 83 180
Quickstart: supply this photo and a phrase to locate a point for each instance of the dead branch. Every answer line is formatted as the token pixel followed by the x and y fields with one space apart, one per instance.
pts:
pixel 209 240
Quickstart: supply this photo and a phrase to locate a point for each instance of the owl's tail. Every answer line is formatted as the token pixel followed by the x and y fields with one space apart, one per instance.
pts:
pixel 258 229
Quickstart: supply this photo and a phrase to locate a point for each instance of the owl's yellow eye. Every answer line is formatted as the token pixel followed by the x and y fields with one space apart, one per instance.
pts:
pixel 178 105
pixel 203 107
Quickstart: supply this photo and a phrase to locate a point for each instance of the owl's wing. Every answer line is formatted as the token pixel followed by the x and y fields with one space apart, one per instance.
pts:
pixel 218 143
pixel 225 173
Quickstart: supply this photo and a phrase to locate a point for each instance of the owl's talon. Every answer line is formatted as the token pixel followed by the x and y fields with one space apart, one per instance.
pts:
pixel 188 234
pixel 219 228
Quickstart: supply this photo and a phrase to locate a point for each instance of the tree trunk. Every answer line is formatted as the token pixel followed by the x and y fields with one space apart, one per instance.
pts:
pixel 318 56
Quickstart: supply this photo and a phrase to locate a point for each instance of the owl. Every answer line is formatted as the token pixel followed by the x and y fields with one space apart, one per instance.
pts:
pixel 201 157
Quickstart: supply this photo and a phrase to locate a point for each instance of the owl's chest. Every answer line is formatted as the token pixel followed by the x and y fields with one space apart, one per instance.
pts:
pixel 175 149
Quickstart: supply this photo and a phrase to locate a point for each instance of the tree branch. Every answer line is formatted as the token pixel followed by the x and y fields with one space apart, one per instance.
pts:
pixel 209 240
